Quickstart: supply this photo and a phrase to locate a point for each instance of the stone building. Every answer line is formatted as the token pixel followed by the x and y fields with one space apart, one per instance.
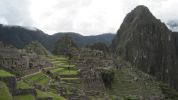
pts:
pixel 90 63
pixel 15 59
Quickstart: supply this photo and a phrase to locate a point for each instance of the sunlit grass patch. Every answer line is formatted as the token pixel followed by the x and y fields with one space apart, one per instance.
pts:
pixel 57 70
pixel 49 94
pixel 4 73
pixel 4 92
pixel 34 77
pixel 43 80
pixel 22 85
pixel 69 72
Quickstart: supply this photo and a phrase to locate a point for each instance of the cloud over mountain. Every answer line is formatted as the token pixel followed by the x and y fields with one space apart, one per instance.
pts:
pixel 83 16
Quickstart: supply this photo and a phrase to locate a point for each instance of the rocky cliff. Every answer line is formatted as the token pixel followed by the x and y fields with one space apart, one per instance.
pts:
pixel 148 44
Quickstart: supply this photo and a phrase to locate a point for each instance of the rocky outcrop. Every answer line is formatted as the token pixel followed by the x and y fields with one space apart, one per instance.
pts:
pixel 64 46
pixel 36 47
pixel 148 44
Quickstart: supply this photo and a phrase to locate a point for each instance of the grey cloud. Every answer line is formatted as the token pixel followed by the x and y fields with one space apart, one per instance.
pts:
pixel 15 12
pixel 83 16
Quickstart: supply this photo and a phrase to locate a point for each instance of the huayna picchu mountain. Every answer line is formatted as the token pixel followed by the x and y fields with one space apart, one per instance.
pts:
pixel 148 44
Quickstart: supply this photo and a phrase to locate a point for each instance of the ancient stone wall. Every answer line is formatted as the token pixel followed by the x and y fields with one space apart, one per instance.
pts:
pixel 10 82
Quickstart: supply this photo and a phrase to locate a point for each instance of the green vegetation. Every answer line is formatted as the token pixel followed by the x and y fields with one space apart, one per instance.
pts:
pixel 71 80
pixel 38 78
pixel 72 83
pixel 69 72
pixel 62 66
pixel 4 92
pixel 22 85
pixel 49 94
pixel 108 78
pixel 59 58
pixel 127 82
pixel 34 77
pixel 5 74
pixel 57 70
pixel 23 97
pixel 168 92
pixel 43 80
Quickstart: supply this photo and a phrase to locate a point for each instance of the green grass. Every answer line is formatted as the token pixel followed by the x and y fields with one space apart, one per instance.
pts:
pixel 70 84
pixel 71 80
pixel 34 77
pixel 49 94
pixel 67 72
pixel 43 81
pixel 66 65
pixel 124 85
pixel 57 70
pixel 38 78
pixel 24 97
pixel 4 92
pixel 5 74
pixel 22 85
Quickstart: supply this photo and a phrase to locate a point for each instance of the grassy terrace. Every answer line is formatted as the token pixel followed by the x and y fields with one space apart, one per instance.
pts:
pixel 69 78
pixel 62 65
pixel 38 78
pixel 23 97
pixel 49 94
pixel 67 72
pixel 5 74
pixel 43 80
pixel 127 82
pixel 4 92
pixel 34 77
pixel 56 70
pixel 22 85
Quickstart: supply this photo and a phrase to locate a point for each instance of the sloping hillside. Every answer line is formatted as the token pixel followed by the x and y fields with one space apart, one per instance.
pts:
pixel 20 36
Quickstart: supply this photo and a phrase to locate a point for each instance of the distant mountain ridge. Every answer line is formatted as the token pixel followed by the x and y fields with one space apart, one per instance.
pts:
pixel 20 36
pixel 81 40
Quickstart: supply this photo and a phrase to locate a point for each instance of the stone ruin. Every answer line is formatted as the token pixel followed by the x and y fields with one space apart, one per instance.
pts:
pixel 12 58
pixel 90 63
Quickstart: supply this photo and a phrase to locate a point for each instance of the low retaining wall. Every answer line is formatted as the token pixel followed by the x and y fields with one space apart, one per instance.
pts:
pixel 45 98
pixel 10 82
pixel 24 92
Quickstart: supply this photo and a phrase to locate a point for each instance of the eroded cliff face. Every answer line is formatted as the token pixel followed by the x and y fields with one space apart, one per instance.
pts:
pixel 148 44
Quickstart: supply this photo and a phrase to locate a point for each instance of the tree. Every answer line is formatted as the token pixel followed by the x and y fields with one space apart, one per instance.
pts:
pixel 108 78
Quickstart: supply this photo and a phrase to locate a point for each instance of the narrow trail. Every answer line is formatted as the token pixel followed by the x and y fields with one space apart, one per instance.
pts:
pixel 31 74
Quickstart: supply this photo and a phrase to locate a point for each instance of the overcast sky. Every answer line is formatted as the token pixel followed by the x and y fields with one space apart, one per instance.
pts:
pixel 87 17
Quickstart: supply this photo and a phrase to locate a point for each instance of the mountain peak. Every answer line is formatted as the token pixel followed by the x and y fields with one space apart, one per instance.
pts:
pixel 141 8
pixel 140 12
pixel 147 43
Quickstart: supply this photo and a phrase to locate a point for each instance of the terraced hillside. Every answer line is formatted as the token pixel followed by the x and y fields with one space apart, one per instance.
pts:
pixel 4 93
pixel 132 83
pixel 53 83
pixel 62 82
pixel 69 80
pixel 61 78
